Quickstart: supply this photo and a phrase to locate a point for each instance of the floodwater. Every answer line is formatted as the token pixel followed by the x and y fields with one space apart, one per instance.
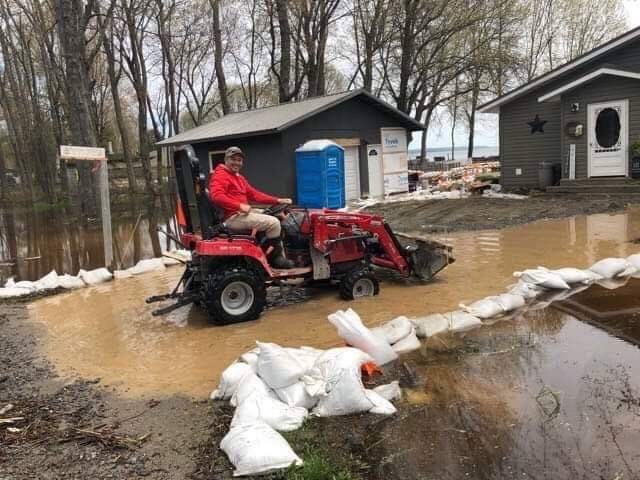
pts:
pixel 108 332
pixel 552 393
pixel 35 241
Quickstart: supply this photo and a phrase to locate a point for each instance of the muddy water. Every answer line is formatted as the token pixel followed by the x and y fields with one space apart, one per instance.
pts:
pixel 545 395
pixel 108 331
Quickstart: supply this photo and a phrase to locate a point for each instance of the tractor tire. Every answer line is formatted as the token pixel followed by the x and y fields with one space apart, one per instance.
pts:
pixel 359 283
pixel 235 295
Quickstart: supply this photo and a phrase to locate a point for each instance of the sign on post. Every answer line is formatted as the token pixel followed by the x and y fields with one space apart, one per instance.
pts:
pixel 96 154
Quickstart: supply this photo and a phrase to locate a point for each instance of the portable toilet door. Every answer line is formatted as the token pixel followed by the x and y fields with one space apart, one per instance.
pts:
pixel 320 174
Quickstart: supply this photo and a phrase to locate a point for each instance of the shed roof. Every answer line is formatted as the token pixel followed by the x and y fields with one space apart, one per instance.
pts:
pixel 494 105
pixel 280 117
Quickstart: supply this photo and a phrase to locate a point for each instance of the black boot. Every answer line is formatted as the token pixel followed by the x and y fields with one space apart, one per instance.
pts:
pixel 277 258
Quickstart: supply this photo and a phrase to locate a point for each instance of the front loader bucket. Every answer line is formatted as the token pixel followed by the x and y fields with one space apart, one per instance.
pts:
pixel 425 256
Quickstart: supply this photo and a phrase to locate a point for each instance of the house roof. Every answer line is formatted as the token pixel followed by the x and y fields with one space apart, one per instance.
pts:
pixel 494 105
pixel 554 95
pixel 277 118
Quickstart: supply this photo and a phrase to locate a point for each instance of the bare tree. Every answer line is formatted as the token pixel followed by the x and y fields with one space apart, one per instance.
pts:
pixel 218 56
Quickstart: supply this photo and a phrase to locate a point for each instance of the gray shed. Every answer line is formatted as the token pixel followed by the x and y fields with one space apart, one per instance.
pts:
pixel 269 137
pixel 583 116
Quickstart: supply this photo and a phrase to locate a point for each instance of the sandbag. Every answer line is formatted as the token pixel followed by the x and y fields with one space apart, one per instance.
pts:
pixel 527 290
pixel 182 254
pixel 257 448
pixel 11 292
pixel 390 391
pixel 251 359
pixel 634 261
pixel 277 367
pixel 351 329
pixel 346 395
pixel 573 275
pixel 394 330
pixel 249 385
pixel 264 408
pixel 93 277
pixel 48 282
pixel 230 379
pixel 70 282
pixel 24 284
pixel 381 405
pixel 341 358
pixel 485 308
pixel 306 356
pixel 430 325
pixel 408 343
pixel 609 267
pixel 147 265
pixel 510 301
pixel 542 278
pixel 460 321
pixel 121 274
pixel 296 395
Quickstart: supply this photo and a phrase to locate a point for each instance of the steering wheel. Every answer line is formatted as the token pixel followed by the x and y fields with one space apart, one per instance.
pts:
pixel 276 209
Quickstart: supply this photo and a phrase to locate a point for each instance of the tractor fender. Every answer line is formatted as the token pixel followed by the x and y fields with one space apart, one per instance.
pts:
pixel 222 247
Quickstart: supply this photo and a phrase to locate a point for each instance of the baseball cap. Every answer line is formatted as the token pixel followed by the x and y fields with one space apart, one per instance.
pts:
pixel 231 151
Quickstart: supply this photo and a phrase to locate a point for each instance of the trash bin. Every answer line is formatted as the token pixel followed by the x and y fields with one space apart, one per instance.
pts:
pixel 545 175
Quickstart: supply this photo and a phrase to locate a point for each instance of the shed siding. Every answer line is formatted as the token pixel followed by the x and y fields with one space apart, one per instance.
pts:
pixel 603 89
pixel 520 149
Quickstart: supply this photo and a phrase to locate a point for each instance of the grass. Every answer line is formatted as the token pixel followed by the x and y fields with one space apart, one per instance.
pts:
pixel 46 206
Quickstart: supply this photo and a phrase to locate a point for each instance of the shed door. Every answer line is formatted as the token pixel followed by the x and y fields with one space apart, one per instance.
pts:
pixel 376 177
pixel 351 173
pixel 608 138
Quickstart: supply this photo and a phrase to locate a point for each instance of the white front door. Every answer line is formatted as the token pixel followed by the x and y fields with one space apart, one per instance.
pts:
pixel 608 138
pixel 376 177
pixel 351 173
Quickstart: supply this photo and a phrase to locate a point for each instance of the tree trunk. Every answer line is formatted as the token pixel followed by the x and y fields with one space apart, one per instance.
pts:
pixel 218 55
pixel 3 175
pixel 472 118
pixel 284 83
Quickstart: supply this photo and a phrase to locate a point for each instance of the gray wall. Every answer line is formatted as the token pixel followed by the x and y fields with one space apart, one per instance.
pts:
pixel 603 89
pixel 520 149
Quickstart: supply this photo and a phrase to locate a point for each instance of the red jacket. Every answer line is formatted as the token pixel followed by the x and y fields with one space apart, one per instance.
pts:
pixel 228 190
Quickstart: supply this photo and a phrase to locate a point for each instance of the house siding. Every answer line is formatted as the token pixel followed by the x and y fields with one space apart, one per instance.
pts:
pixel 520 149
pixel 603 89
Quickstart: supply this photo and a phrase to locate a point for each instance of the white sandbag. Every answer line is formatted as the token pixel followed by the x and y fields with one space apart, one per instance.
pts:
pixel 70 282
pixel 430 325
pixel 526 290
pixel 610 267
pixel 574 275
pixel 169 261
pixel 408 343
pixel 11 292
pixel 296 395
pixel 634 261
pixel 351 329
pixel 24 284
pixel 273 412
pixel 251 359
pixel 613 283
pixel 48 282
pixel 346 395
pixel 230 379
pixel 93 277
pixel 510 301
pixel 182 254
pixel 257 449
pixel 306 356
pixel 340 358
pixel 485 308
pixel 122 274
pixel 390 391
pixel 147 265
pixel 394 330
pixel 542 278
pixel 460 321
pixel 381 405
pixel 277 367
pixel 249 385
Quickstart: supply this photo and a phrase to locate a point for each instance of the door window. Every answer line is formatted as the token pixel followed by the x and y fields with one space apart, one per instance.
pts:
pixel 608 128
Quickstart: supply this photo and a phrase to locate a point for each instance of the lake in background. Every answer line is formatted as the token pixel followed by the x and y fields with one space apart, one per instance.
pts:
pixel 460 153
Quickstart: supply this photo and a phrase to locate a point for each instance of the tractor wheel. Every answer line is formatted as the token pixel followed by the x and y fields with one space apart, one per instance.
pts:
pixel 235 295
pixel 359 283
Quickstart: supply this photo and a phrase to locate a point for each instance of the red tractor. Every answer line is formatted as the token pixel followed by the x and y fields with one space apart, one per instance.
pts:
pixel 229 272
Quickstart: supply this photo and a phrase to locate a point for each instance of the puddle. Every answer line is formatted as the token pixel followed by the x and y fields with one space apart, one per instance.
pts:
pixel 549 395
pixel 108 331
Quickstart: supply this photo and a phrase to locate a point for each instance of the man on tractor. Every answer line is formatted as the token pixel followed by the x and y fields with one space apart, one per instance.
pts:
pixel 232 193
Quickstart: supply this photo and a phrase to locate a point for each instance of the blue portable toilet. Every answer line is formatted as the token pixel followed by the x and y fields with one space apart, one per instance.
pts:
pixel 320 174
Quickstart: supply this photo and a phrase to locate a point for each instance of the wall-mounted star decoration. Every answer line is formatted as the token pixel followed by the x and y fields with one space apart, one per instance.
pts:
pixel 537 125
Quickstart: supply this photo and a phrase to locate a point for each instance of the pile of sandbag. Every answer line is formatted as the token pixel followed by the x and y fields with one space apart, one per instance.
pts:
pixel 274 389
pixel 85 278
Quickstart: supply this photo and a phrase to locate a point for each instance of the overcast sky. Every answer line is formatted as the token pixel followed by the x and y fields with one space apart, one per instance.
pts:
pixel 486 130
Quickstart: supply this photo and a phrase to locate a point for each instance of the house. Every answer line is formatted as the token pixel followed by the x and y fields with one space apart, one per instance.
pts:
pixel 356 120
pixel 583 115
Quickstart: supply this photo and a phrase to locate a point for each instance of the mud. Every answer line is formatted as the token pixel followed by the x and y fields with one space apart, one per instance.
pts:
pixel 478 213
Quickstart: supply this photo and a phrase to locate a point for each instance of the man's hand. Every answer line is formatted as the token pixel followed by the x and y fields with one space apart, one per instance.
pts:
pixel 244 208
pixel 285 201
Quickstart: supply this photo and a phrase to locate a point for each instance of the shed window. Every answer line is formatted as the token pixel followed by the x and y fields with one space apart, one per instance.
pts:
pixel 608 128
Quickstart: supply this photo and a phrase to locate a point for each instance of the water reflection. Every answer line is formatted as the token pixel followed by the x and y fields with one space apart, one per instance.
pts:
pixel 33 242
